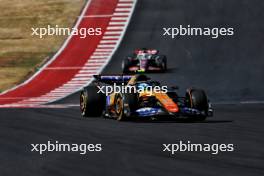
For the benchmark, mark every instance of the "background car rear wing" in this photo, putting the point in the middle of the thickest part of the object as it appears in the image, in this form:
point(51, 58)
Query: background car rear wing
point(144, 50)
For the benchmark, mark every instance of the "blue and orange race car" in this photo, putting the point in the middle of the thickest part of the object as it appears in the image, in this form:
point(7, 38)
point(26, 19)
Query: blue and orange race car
point(143, 101)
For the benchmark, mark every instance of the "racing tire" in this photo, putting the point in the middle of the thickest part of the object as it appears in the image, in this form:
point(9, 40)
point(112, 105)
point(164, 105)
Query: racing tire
point(125, 66)
point(197, 99)
point(127, 103)
point(163, 63)
point(119, 108)
point(92, 103)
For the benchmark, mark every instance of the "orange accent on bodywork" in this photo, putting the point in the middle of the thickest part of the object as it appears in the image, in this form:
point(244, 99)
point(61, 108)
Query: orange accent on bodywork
point(167, 102)
point(132, 81)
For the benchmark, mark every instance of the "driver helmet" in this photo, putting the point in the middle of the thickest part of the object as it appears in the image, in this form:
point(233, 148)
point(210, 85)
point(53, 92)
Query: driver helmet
point(142, 86)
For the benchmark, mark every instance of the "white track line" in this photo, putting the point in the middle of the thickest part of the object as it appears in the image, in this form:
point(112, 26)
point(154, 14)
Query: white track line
point(123, 5)
point(110, 37)
point(108, 41)
point(117, 23)
point(122, 9)
point(118, 18)
point(101, 53)
point(107, 50)
point(113, 32)
point(121, 14)
point(114, 27)
point(97, 57)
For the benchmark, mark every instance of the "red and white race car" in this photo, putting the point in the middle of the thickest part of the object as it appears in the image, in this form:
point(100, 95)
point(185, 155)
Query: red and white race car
point(145, 60)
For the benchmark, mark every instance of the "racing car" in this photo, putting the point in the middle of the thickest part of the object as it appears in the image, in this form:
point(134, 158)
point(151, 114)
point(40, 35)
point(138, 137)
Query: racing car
point(145, 60)
point(145, 103)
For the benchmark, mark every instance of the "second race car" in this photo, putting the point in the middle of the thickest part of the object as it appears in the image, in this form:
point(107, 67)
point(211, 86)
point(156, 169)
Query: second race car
point(145, 60)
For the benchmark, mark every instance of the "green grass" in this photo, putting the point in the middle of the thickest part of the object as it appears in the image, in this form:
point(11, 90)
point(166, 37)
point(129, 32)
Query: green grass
point(20, 52)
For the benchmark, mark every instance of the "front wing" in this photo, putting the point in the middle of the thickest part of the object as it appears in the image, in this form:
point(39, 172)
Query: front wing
point(184, 112)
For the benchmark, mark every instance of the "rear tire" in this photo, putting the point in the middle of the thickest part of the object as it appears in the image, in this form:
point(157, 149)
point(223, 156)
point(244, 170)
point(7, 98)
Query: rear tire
point(125, 66)
point(92, 103)
point(163, 63)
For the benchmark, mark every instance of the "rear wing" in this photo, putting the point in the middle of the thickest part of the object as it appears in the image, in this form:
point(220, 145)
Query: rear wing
point(119, 79)
point(111, 79)
point(144, 50)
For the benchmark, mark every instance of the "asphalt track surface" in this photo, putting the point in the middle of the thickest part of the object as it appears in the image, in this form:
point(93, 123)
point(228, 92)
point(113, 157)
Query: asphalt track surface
point(230, 69)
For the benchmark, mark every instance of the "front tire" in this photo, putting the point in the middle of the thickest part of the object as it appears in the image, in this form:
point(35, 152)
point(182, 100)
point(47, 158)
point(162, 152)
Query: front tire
point(125, 105)
point(197, 99)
